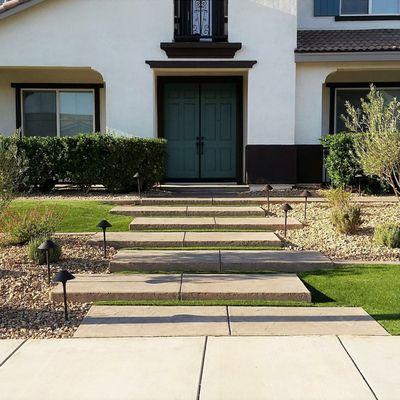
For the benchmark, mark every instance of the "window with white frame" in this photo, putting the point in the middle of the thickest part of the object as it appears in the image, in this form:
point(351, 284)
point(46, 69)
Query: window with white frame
point(370, 7)
point(57, 112)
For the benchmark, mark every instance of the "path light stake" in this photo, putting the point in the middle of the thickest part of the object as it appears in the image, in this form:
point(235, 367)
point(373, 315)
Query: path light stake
point(63, 277)
point(46, 246)
point(359, 178)
point(286, 208)
point(137, 177)
point(306, 194)
point(268, 188)
point(104, 225)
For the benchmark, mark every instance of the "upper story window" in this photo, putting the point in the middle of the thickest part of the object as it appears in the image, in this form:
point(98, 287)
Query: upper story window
point(201, 20)
point(370, 7)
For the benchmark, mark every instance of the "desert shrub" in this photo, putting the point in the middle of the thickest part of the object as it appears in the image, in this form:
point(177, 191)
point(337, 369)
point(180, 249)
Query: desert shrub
point(20, 227)
point(387, 234)
point(337, 198)
point(91, 159)
point(378, 149)
point(346, 220)
point(39, 256)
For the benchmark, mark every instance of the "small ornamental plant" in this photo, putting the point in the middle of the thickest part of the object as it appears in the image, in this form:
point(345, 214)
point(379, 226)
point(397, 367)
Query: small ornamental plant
point(39, 256)
point(388, 235)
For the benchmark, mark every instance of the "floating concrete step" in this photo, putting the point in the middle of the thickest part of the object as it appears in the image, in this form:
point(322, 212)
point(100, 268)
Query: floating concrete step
point(166, 260)
point(188, 211)
point(87, 288)
point(187, 239)
point(262, 223)
point(185, 188)
point(218, 261)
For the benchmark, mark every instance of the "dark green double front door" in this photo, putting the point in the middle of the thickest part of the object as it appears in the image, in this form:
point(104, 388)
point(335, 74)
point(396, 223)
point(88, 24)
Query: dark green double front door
point(200, 125)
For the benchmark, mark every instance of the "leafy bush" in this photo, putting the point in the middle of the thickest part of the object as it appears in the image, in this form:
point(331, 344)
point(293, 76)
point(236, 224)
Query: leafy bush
point(90, 159)
point(20, 227)
point(337, 198)
point(39, 256)
point(387, 235)
point(343, 164)
point(346, 220)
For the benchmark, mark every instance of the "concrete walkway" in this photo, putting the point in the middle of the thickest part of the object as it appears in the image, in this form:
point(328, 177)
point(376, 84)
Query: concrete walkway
point(132, 321)
point(87, 288)
point(198, 368)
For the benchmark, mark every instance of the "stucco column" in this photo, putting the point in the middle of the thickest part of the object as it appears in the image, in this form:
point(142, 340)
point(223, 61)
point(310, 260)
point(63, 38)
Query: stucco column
point(309, 102)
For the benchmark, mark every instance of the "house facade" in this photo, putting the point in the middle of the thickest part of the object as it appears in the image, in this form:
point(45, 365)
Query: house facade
point(243, 90)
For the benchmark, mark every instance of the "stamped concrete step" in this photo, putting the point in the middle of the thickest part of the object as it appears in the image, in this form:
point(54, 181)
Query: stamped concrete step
point(187, 239)
point(261, 223)
point(219, 261)
point(191, 211)
point(166, 260)
point(280, 287)
point(88, 288)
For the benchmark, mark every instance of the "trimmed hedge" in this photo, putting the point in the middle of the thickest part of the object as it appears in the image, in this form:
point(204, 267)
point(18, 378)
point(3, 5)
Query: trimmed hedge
point(91, 159)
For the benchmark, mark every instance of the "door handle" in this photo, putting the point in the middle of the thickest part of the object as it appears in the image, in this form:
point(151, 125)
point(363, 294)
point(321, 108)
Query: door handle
point(202, 146)
point(197, 145)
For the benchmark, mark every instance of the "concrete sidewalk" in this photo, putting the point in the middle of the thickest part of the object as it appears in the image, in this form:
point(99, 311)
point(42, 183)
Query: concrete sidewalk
point(211, 368)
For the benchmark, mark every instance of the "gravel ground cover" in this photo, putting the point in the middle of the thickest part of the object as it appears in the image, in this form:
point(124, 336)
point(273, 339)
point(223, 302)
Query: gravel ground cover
point(318, 233)
point(25, 308)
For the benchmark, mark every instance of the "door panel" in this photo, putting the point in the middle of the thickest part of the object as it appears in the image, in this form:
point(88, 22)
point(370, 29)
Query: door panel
point(181, 128)
point(218, 130)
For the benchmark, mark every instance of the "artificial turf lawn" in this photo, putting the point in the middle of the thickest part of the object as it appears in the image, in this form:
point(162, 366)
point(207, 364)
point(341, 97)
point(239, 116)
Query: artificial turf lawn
point(374, 288)
point(78, 215)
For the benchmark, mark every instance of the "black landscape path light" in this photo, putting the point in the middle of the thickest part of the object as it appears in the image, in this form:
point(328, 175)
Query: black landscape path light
point(104, 224)
point(137, 177)
point(46, 246)
point(359, 179)
point(268, 188)
point(64, 276)
point(306, 194)
point(286, 208)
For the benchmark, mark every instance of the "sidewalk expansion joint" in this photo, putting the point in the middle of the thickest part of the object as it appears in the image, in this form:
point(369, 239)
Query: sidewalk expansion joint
point(202, 368)
point(183, 240)
point(13, 352)
point(358, 369)
point(220, 260)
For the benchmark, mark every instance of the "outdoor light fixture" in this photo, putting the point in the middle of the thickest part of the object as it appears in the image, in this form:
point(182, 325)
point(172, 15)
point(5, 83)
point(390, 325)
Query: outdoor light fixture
point(63, 277)
point(286, 208)
point(46, 246)
point(137, 177)
point(104, 225)
point(306, 194)
point(359, 178)
point(268, 188)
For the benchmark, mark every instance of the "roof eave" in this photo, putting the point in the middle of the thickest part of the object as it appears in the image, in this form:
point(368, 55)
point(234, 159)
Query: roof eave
point(349, 56)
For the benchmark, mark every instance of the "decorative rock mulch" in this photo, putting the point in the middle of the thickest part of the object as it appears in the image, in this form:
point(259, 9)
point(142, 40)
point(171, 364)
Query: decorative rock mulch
point(25, 308)
point(318, 234)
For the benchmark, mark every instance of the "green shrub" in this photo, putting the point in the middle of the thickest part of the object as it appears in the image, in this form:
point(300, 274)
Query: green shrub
point(39, 256)
point(346, 220)
point(20, 227)
point(91, 159)
point(343, 165)
point(387, 235)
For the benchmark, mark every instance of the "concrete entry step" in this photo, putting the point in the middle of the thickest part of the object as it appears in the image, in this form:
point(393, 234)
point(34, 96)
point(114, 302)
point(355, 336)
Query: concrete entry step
point(87, 288)
point(204, 188)
point(261, 223)
point(219, 261)
point(187, 239)
point(189, 211)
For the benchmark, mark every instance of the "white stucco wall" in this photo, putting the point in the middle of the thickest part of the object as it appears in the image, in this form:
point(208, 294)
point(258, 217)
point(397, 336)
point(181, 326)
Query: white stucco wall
point(116, 37)
point(306, 20)
point(312, 98)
